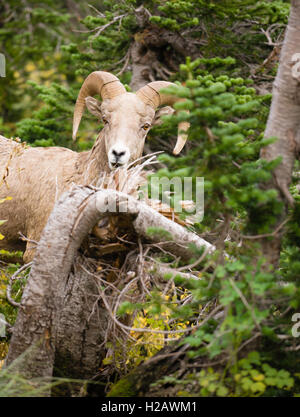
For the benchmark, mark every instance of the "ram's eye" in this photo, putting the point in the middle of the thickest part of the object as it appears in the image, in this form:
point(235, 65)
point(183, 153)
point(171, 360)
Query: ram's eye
point(146, 126)
point(105, 121)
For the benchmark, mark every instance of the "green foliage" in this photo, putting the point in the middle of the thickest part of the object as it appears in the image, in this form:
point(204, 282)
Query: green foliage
point(227, 122)
point(212, 22)
point(183, 12)
point(250, 377)
point(28, 38)
point(226, 134)
point(48, 46)
point(48, 125)
point(123, 388)
point(249, 294)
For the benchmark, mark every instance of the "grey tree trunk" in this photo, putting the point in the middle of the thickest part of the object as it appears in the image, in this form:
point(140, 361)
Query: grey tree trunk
point(51, 292)
point(284, 120)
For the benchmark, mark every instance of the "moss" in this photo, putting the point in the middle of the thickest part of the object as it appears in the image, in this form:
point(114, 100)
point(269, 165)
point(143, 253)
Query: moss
point(122, 388)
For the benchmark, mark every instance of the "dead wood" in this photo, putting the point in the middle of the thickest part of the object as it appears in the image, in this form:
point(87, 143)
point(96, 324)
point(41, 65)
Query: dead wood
point(64, 319)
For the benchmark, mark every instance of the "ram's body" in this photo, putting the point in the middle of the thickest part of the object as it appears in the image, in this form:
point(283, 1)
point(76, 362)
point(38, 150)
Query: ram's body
point(35, 178)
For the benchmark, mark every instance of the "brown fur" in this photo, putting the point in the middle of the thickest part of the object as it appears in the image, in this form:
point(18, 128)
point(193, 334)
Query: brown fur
point(35, 178)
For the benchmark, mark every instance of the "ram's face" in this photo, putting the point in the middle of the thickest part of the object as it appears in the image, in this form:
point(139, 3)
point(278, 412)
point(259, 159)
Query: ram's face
point(127, 117)
point(127, 120)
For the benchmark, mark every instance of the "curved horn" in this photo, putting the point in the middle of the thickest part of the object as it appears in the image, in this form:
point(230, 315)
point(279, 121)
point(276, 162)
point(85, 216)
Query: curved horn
point(151, 95)
point(98, 82)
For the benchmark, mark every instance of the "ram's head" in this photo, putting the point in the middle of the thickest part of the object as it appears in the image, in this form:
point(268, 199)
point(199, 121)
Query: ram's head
point(127, 117)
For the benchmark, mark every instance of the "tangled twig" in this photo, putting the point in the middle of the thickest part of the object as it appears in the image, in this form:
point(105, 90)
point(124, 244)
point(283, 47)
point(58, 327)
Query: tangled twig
point(13, 278)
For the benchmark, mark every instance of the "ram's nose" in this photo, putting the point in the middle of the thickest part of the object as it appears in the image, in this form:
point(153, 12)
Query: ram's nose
point(118, 156)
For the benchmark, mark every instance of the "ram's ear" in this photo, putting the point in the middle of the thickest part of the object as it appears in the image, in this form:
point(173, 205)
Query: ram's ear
point(163, 111)
point(93, 106)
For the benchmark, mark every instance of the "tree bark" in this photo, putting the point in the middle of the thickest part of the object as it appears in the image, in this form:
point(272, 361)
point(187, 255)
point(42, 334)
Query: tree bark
point(283, 122)
point(36, 331)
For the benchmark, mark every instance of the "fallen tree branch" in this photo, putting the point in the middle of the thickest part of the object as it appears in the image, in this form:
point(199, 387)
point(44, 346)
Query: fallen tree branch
point(55, 324)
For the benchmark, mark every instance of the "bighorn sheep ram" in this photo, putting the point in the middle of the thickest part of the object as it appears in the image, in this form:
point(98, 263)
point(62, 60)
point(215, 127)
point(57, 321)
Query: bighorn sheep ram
point(36, 177)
